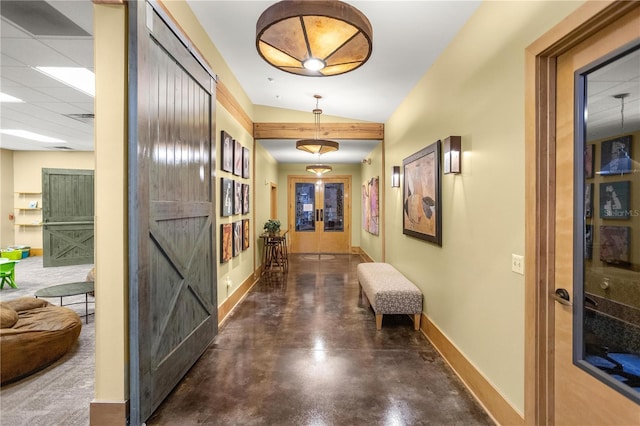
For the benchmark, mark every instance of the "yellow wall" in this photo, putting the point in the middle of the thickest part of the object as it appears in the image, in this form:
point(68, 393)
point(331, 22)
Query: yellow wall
point(372, 244)
point(266, 173)
point(27, 178)
point(476, 90)
point(7, 231)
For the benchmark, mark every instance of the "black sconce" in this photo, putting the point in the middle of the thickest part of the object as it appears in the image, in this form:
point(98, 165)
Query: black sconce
point(395, 177)
point(452, 154)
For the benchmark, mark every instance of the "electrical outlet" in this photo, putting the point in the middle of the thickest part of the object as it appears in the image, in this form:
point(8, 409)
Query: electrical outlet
point(517, 264)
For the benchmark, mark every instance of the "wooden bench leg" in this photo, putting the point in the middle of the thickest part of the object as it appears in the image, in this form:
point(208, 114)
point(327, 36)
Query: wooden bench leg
point(416, 321)
point(378, 321)
point(365, 301)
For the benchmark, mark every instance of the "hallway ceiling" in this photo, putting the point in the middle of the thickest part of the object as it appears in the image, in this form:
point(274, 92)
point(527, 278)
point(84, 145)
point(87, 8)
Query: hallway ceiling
point(370, 93)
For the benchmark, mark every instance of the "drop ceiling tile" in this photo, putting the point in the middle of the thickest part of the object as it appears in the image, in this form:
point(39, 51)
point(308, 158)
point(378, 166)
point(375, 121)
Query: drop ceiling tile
point(79, 50)
point(34, 53)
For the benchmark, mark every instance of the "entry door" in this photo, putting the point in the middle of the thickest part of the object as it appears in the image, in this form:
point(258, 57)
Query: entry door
point(320, 215)
point(579, 398)
point(172, 255)
point(67, 217)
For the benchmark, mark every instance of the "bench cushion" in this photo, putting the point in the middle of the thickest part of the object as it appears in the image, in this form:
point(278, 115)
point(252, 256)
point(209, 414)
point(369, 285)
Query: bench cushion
point(388, 291)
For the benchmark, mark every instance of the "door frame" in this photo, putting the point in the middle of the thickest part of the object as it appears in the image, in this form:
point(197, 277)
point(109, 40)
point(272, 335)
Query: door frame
point(540, 150)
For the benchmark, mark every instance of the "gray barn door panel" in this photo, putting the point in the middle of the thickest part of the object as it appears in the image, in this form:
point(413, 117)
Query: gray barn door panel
point(173, 301)
point(67, 217)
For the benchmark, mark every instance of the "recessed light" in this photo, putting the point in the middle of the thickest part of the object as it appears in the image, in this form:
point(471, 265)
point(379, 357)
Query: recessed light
point(25, 134)
point(8, 98)
point(79, 78)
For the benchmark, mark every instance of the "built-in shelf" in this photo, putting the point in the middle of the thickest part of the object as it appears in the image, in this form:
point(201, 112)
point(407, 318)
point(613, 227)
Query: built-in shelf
point(29, 208)
point(28, 224)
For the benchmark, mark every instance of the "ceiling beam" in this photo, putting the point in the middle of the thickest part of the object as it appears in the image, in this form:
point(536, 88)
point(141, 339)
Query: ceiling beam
point(364, 131)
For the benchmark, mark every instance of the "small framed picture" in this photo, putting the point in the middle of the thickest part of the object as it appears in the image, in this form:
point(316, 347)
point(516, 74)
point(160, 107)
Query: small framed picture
point(615, 156)
point(226, 197)
point(245, 163)
point(614, 200)
point(227, 151)
point(588, 161)
point(237, 158)
point(245, 198)
point(614, 244)
point(226, 243)
point(237, 237)
point(245, 234)
point(237, 199)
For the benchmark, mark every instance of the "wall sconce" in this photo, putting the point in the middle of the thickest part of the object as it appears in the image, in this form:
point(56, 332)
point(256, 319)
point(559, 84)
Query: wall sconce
point(395, 177)
point(452, 154)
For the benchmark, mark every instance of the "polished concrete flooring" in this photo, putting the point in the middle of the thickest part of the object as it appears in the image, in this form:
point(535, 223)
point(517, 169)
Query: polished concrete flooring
point(301, 349)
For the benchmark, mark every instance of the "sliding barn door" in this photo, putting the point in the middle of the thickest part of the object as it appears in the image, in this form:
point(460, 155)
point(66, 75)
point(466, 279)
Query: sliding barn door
point(172, 259)
point(67, 217)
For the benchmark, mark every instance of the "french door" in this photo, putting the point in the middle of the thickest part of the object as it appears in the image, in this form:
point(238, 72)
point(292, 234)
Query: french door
point(319, 214)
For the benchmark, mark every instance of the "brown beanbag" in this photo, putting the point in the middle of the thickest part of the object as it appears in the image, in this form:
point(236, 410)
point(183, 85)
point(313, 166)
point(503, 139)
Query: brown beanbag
point(42, 334)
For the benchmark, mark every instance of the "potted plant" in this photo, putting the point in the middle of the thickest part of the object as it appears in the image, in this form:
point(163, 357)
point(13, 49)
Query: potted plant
point(272, 226)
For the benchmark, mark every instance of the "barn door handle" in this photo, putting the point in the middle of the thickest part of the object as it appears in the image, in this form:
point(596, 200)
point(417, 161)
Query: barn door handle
point(562, 296)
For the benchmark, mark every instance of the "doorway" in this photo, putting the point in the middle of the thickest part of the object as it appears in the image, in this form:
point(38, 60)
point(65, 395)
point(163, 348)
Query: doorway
point(559, 391)
point(319, 214)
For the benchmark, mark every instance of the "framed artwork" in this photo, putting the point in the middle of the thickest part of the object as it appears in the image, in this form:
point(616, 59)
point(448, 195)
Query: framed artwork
point(615, 156)
point(370, 208)
point(245, 163)
point(588, 241)
point(227, 151)
point(237, 158)
point(237, 237)
point(226, 243)
point(588, 161)
point(422, 207)
point(226, 197)
point(614, 200)
point(588, 200)
point(614, 244)
point(245, 198)
point(237, 198)
point(246, 236)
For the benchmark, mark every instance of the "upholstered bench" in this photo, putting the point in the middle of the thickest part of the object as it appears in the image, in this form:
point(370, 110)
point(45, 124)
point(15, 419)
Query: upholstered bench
point(389, 292)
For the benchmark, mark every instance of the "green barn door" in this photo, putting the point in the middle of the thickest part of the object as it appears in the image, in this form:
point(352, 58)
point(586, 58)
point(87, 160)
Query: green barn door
point(67, 217)
point(173, 298)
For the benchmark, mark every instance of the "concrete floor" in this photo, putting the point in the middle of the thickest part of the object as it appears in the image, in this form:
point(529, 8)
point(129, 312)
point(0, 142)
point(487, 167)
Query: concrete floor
point(301, 349)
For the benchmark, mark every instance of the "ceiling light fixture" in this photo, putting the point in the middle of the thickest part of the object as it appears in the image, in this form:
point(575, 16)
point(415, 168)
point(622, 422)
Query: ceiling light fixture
point(319, 169)
point(314, 38)
point(25, 134)
point(9, 99)
point(79, 78)
point(317, 146)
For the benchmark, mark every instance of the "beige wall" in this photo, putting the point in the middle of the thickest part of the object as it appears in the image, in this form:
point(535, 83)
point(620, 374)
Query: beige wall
point(475, 90)
point(266, 173)
point(27, 179)
point(7, 231)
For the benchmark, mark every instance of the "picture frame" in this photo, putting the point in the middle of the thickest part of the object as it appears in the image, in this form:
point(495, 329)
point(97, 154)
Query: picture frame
point(226, 243)
point(370, 208)
point(237, 197)
point(245, 163)
point(246, 234)
point(245, 198)
point(237, 158)
point(422, 206)
point(615, 156)
point(226, 152)
point(588, 241)
point(588, 200)
point(615, 242)
point(614, 200)
point(589, 161)
point(237, 237)
point(226, 197)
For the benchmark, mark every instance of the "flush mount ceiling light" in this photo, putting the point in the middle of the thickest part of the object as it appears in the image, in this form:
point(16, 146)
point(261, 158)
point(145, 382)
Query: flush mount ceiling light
point(314, 38)
point(317, 146)
point(319, 169)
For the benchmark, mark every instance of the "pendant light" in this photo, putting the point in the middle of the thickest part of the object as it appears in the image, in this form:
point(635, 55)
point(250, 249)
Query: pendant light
point(317, 146)
point(319, 169)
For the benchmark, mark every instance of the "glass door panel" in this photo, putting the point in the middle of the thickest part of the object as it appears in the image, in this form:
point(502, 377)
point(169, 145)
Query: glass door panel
point(333, 207)
point(305, 220)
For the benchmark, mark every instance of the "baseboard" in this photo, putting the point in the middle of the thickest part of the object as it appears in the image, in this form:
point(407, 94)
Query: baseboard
point(365, 257)
point(489, 397)
point(108, 413)
point(237, 296)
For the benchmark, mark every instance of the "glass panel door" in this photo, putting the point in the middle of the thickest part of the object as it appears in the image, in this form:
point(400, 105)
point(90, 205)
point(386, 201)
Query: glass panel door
point(333, 207)
point(305, 220)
